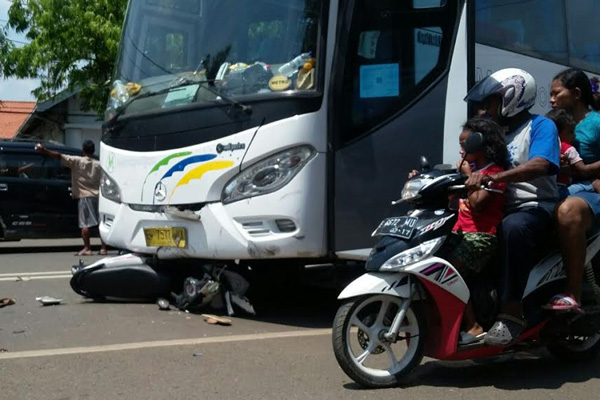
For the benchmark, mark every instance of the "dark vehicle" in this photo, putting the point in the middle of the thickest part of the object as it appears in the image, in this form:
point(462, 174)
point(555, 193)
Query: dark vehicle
point(35, 193)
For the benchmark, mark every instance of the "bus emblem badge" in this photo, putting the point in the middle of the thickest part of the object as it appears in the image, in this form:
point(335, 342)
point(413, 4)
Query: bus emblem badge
point(160, 191)
point(230, 147)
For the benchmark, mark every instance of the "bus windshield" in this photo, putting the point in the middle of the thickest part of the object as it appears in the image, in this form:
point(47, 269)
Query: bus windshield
point(238, 48)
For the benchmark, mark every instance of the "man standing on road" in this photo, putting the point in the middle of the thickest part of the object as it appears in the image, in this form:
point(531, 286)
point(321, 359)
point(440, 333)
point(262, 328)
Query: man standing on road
point(85, 181)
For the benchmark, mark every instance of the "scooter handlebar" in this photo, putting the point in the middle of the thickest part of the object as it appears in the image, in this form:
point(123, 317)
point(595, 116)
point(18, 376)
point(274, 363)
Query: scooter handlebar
point(462, 187)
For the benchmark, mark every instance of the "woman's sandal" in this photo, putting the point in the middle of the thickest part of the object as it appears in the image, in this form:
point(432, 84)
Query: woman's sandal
point(505, 330)
point(570, 304)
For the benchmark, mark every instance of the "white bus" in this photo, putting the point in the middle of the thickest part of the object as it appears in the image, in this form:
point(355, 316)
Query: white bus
point(276, 129)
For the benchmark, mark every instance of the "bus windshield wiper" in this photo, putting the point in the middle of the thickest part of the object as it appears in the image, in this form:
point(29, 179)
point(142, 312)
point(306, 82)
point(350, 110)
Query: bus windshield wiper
point(246, 109)
point(184, 82)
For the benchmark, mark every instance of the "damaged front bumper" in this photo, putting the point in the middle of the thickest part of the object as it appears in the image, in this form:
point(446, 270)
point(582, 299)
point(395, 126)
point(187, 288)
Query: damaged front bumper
point(216, 231)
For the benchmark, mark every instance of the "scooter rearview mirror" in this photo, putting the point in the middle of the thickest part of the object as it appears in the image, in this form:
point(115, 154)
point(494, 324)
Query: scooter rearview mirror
point(424, 164)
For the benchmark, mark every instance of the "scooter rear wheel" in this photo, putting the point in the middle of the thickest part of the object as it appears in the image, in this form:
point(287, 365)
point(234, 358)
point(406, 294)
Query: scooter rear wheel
point(576, 348)
point(361, 351)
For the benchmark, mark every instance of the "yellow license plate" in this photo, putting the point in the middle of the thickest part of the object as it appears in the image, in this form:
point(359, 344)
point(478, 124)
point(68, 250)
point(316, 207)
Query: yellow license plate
point(165, 237)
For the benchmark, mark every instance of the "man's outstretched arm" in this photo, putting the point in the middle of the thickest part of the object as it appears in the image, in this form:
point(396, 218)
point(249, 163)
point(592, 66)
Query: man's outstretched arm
point(49, 153)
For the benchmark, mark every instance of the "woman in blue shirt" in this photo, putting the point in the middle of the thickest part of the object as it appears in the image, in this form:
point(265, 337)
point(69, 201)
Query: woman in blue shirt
point(577, 214)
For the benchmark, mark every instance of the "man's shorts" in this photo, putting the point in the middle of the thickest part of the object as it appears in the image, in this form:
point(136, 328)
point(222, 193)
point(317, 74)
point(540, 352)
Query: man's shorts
point(593, 201)
point(88, 212)
point(473, 250)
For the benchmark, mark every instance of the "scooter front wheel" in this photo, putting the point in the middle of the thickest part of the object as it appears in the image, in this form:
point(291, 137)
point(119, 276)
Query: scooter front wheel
point(360, 348)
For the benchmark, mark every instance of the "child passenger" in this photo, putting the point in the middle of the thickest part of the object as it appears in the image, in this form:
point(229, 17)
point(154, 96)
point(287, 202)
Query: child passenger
point(565, 124)
point(473, 240)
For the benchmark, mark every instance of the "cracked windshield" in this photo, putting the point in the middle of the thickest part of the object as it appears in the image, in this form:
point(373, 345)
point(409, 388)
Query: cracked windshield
point(181, 52)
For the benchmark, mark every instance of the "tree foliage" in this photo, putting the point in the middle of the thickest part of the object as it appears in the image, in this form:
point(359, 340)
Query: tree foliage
point(72, 44)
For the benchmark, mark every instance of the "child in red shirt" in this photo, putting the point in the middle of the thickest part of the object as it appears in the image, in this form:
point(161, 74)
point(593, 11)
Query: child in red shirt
point(473, 240)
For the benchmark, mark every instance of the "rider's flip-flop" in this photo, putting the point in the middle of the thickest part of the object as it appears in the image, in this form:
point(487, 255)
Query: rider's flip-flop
point(570, 304)
point(468, 338)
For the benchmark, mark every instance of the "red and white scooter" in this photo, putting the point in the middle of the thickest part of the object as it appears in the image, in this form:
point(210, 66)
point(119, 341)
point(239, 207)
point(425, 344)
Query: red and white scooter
point(410, 303)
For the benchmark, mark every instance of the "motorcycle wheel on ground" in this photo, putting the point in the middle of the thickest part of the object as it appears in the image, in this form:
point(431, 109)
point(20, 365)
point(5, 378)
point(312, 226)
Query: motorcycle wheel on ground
point(580, 347)
point(360, 348)
point(577, 348)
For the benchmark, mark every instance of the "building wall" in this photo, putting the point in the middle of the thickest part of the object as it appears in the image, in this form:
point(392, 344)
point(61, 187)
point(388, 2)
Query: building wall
point(81, 126)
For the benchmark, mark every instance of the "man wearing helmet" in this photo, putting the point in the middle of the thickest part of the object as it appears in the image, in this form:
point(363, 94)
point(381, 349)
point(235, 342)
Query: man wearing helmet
point(531, 195)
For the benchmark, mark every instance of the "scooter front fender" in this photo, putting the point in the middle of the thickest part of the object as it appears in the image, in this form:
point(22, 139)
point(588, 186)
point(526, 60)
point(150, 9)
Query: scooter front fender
point(394, 284)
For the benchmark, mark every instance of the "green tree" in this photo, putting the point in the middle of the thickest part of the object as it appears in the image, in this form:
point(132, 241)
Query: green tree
point(72, 44)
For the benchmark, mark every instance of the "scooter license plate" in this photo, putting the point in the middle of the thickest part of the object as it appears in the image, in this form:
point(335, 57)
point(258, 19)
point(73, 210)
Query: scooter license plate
point(166, 237)
point(402, 227)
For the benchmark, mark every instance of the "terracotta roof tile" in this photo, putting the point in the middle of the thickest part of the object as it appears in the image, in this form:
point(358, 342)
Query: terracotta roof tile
point(12, 116)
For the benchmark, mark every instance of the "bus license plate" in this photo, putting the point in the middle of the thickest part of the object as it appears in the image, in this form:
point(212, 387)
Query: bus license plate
point(402, 227)
point(165, 237)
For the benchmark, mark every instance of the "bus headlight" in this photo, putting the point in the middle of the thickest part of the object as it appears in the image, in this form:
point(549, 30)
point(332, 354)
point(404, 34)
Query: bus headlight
point(109, 188)
point(267, 175)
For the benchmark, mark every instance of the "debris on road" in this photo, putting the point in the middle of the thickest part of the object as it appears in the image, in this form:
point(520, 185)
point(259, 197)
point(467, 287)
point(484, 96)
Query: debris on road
point(217, 289)
point(240, 301)
point(163, 304)
point(22, 279)
point(48, 301)
point(6, 302)
point(19, 331)
point(197, 354)
point(3, 351)
point(213, 319)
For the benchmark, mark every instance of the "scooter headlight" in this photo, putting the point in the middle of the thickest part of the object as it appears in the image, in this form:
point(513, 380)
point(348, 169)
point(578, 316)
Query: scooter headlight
point(411, 189)
point(109, 188)
point(413, 255)
point(267, 175)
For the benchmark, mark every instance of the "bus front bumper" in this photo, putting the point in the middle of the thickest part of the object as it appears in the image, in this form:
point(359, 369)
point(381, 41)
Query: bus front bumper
point(211, 233)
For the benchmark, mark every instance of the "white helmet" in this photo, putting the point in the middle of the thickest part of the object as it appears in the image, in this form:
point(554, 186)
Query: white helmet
point(516, 87)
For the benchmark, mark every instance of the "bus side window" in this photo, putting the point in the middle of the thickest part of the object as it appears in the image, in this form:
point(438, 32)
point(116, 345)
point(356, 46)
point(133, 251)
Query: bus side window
point(584, 34)
point(559, 31)
point(428, 3)
point(536, 27)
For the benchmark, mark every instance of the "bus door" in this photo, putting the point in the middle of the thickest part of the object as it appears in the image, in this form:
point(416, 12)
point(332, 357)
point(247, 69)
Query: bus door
point(394, 68)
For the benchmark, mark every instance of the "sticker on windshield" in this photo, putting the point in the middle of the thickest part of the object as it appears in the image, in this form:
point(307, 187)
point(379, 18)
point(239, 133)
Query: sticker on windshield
point(382, 80)
point(367, 44)
point(279, 82)
point(179, 96)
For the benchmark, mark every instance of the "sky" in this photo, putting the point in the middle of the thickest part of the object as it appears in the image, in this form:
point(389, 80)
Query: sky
point(15, 89)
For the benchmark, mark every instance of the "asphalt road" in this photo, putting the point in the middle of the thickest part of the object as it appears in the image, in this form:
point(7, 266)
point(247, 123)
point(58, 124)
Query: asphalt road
point(86, 350)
